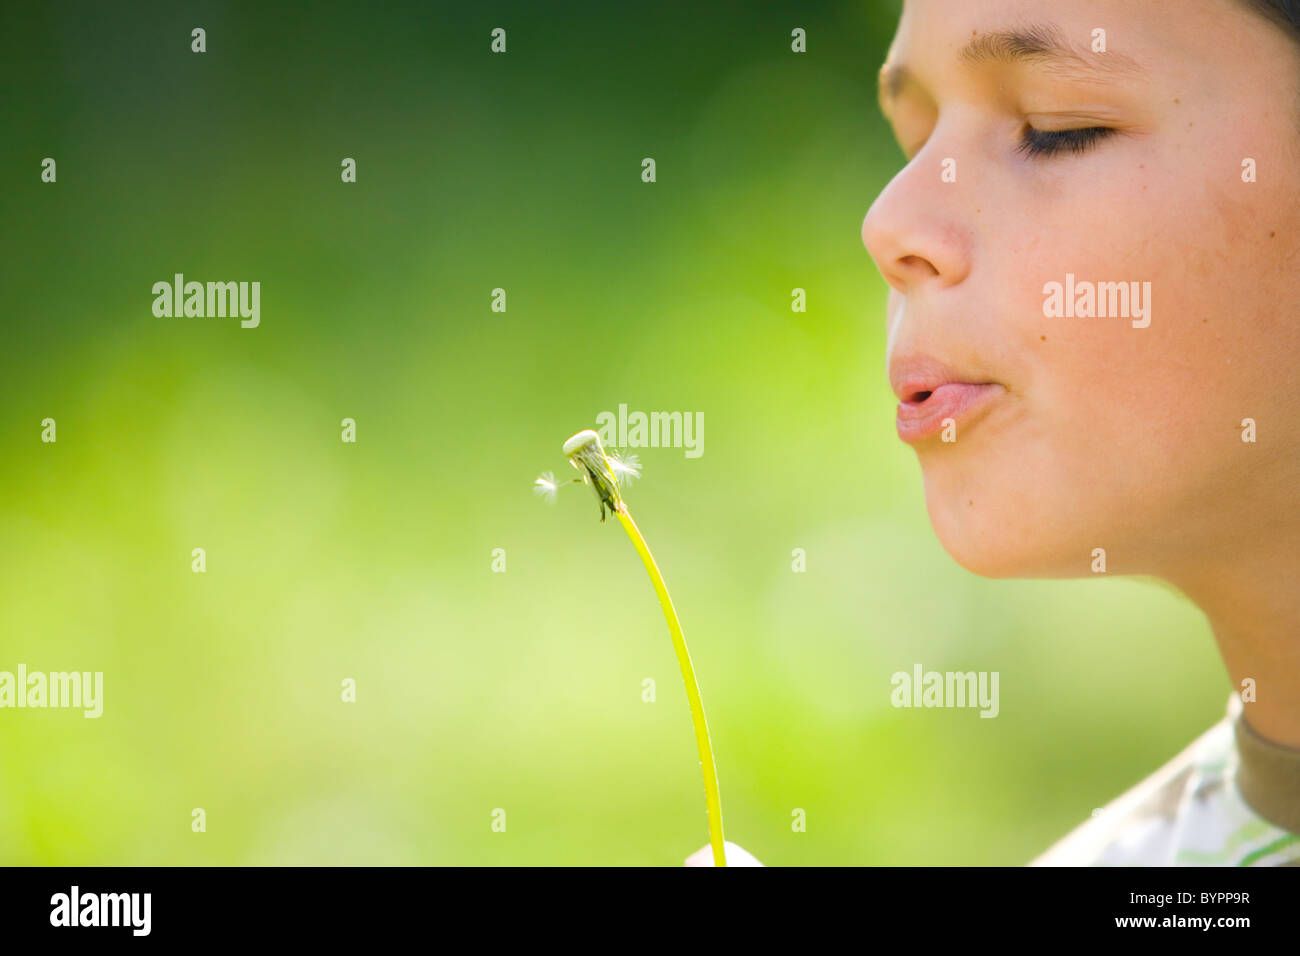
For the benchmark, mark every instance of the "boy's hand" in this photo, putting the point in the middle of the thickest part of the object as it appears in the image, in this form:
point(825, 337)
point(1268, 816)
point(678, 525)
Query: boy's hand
point(735, 856)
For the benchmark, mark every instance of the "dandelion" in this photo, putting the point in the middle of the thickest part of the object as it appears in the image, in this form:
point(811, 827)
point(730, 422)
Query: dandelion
point(604, 471)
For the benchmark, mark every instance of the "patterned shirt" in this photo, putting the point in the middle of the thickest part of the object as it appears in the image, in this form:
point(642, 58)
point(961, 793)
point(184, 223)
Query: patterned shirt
point(1231, 798)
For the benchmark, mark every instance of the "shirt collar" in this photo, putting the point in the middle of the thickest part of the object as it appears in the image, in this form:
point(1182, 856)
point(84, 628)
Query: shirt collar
point(1268, 774)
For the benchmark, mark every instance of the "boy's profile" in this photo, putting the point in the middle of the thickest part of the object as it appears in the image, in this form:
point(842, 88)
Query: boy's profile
point(1093, 249)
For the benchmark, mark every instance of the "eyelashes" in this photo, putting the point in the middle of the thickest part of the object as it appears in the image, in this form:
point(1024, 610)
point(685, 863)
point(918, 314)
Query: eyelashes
point(1042, 142)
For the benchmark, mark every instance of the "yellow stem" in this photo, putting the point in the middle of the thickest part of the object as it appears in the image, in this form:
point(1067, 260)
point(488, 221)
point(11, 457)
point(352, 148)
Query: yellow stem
point(712, 801)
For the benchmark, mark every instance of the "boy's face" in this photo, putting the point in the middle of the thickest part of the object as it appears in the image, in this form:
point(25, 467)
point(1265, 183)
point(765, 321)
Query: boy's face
point(1095, 433)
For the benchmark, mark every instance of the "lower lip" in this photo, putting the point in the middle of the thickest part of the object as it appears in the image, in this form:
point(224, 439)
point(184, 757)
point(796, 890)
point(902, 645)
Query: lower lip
point(959, 401)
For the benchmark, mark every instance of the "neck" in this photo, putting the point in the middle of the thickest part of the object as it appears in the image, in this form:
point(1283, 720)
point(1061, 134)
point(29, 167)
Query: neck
point(1252, 602)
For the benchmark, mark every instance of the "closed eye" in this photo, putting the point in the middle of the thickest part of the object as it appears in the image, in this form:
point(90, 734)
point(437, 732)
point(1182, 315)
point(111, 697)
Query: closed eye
point(1043, 142)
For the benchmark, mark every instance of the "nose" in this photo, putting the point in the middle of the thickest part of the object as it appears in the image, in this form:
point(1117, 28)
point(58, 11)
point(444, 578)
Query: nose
point(913, 230)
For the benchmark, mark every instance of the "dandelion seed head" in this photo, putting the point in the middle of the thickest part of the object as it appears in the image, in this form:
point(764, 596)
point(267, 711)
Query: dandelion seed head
point(586, 453)
point(580, 441)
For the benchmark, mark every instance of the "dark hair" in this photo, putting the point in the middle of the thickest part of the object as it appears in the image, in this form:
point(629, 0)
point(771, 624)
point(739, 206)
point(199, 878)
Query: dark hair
point(1284, 13)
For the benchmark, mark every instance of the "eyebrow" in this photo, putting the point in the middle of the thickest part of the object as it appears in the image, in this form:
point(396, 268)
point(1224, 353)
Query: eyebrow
point(1041, 44)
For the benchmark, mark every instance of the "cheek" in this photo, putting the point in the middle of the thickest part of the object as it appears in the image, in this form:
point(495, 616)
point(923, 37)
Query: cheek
point(1119, 435)
point(1208, 250)
point(1116, 430)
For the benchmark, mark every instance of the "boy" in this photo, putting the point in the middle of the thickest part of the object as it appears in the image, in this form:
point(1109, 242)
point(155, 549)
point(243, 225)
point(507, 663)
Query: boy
point(1093, 251)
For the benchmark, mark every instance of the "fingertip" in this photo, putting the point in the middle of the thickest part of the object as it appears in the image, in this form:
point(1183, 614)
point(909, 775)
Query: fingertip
point(735, 855)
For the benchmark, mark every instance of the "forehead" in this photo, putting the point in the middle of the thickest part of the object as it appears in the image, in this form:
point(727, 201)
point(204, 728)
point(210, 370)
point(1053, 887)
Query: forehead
point(1042, 44)
point(949, 43)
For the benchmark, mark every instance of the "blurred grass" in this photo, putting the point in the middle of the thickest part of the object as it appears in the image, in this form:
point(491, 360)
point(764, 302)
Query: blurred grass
point(372, 561)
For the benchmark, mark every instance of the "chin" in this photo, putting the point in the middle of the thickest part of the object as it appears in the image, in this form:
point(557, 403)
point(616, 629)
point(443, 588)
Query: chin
point(1004, 539)
point(989, 556)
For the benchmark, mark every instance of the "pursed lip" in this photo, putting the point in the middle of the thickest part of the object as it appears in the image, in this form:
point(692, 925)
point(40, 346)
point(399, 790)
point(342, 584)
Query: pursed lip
point(931, 392)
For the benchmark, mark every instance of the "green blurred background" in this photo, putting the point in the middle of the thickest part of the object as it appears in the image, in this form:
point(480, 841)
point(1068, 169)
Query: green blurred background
point(519, 690)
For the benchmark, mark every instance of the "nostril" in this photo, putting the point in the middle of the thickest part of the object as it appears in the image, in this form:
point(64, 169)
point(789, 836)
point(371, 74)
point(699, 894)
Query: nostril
point(917, 264)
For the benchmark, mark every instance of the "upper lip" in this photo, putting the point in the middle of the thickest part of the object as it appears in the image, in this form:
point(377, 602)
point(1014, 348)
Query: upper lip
point(911, 376)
